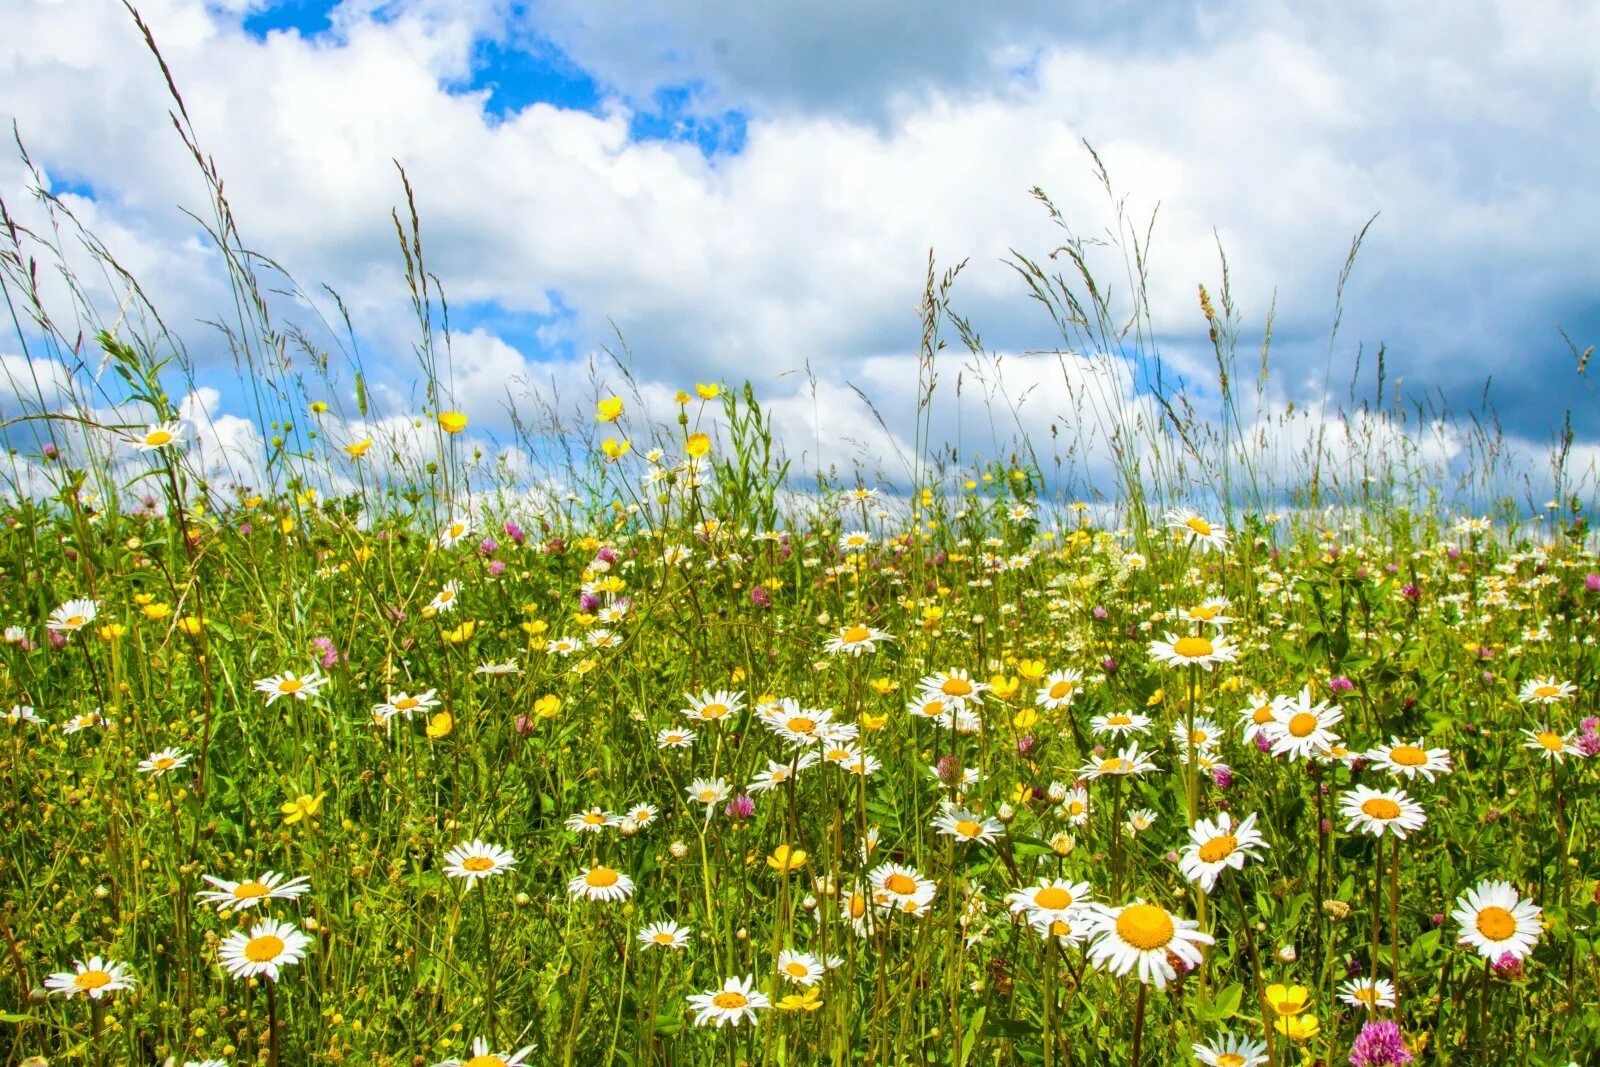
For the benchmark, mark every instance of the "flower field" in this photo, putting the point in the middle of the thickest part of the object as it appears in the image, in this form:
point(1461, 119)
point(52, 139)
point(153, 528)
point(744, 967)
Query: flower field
point(973, 777)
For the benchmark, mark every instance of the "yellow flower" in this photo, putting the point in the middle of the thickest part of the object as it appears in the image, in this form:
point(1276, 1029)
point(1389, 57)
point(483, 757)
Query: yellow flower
point(142, 599)
point(286, 524)
point(112, 630)
point(1025, 718)
point(302, 807)
point(738, 675)
point(1155, 698)
point(585, 666)
point(1031, 669)
point(615, 449)
point(535, 627)
point(872, 722)
point(306, 497)
point(318, 407)
point(697, 445)
point(785, 859)
point(810, 1000)
point(460, 633)
point(1298, 1027)
point(682, 398)
point(452, 421)
point(547, 706)
point(252, 502)
point(884, 686)
point(708, 392)
point(157, 611)
point(357, 449)
point(440, 725)
point(1287, 1000)
point(1004, 688)
point(609, 409)
point(189, 625)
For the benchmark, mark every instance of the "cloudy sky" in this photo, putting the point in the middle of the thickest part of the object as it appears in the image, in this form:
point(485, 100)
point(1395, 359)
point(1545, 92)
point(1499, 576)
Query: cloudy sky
point(752, 190)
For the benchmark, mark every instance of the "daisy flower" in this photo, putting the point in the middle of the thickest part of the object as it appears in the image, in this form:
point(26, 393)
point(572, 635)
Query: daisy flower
point(159, 763)
point(269, 946)
point(967, 827)
point(1553, 745)
point(709, 707)
point(1231, 1050)
point(708, 791)
point(453, 532)
point(482, 1057)
point(1203, 734)
point(1300, 728)
point(591, 821)
point(445, 599)
point(638, 817)
point(1257, 715)
point(856, 639)
point(87, 721)
point(1128, 761)
point(1495, 921)
point(96, 977)
point(239, 896)
point(665, 935)
point(1197, 531)
point(674, 738)
point(21, 713)
point(157, 436)
point(563, 646)
point(290, 684)
point(1146, 938)
point(1059, 690)
point(1375, 811)
point(801, 968)
point(1216, 845)
point(601, 883)
point(797, 725)
point(508, 667)
point(1213, 611)
point(1368, 993)
point(73, 615)
point(1075, 807)
point(1139, 821)
point(406, 704)
point(929, 706)
point(1546, 691)
point(899, 888)
point(735, 1002)
point(1118, 723)
point(954, 684)
point(475, 859)
point(1407, 760)
point(1067, 932)
point(777, 773)
point(1052, 898)
point(855, 541)
point(1192, 651)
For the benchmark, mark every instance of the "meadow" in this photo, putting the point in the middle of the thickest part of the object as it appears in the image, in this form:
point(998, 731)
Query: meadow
point(392, 754)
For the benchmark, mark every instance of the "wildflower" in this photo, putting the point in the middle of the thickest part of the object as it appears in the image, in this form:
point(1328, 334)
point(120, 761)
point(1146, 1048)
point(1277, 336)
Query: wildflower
point(1287, 999)
point(357, 449)
point(810, 1000)
point(1368, 993)
point(96, 977)
point(856, 639)
point(1407, 760)
point(592, 820)
point(1051, 898)
point(1197, 531)
point(445, 599)
point(713, 707)
point(1551, 744)
point(452, 422)
point(475, 859)
point(302, 807)
point(290, 684)
point(1298, 1028)
point(21, 713)
point(1496, 921)
point(240, 896)
point(1118, 723)
point(732, 1004)
point(454, 532)
point(482, 1057)
point(899, 888)
point(1213, 611)
point(697, 445)
point(1147, 939)
point(609, 409)
point(158, 436)
point(1300, 728)
point(1192, 651)
point(672, 738)
point(1379, 1044)
point(159, 763)
point(406, 704)
point(1127, 761)
point(72, 616)
point(1216, 845)
point(1376, 811)
point(965, 826)
point(269, 946)
point(708, 791)
point(953, 685)
point(785, 859)
point(600, 883)
point(665, 935)
point(740, 808)
point(1059, 690)
point(1139, 821)
point(801, 968)
point(1231, 1050)
point(1546, 691)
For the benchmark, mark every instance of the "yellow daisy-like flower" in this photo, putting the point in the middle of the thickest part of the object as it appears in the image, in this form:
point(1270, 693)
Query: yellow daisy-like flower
point(609, 409)
point(302, 807)
point(785, 859)
point(357, 449)
point(452, 421)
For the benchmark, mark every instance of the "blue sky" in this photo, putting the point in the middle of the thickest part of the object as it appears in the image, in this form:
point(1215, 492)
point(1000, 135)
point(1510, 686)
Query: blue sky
point(752, 191)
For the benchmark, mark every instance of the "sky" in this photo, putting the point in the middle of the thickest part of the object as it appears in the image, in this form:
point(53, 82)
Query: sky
point(752, 191)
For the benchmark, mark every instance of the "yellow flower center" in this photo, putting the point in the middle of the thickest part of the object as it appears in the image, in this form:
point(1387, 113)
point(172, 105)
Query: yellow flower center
point(1496, 924)
point(290, 685)
point(165, 763)
point(1060, 689)
point(900, 884)
point(1408, 755)
point(1077, 807)
point(661, 937)
point(1145, 927)
point(1381, 808)
point(797, 969)
point(1199, 737)
point(1367, 994)
point(713, 711)
point(729, 1000)
point(264, 948)
point(594, 818)
point(1218, 848)
point(1551, 740)
point(76, 621)
point(968, 828)
point(158, 438)
point(956, 687)
point(858, 906)
point(1205, 612)
point(854, 635)
point(1231, 1059)
point(1193, 647)
point(92, 980)
point(477, 864)
point(1114, 765)
point(1061, 928)
point(801, 725)
point(1053, 898)
point(406, 703)
point(1544, 692)
point(250, 891)
point(486, 1060)
point(933, 709)
point(447, 595)
point(600, 877)
point(1262, 715)
point(1302, 724)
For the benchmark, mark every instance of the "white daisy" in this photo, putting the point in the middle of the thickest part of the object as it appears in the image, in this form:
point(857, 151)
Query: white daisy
point(1232, 1050)
point(901, 889)
point(268, 947)
point(241, 896)
point(1407, 760)
point(1546, 691)
point(709, 707)
point(1299, 728)
point(967, 827)
point(665, 935)
point(73, 615)
point(1368, 993)
point(591, 821)
point(856, 639)
point(1052, 898)
point(96, 977)
point(406, 704)
point(158, 436)
point(1117, 723)
point(674, 738)
point(1216, 845)
point(1192, 651)
point(801, 968)
point(1059, 690)
point(1197, 531)
point(735, 1002)
point(159, 763)
point(290, 684)
point(1375, 812)
point(482, 1057)
point(454, 532)
point(475, 859)
point(1145, 938)
point(601, 883)
point(1496, 920)
point(445, 599)
point(1553, 745)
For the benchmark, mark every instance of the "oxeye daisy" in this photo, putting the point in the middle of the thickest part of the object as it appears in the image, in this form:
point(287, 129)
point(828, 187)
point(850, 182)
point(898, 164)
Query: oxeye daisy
point(601, 883)
point(72, 616)
point(1139, 821)
point(269, 946)
point(1146, 939)
point(445, 599)
point(1553, 745)
point(1118, 723)
point(1218, 844)
point(1496, 921)
point(1202, 734)
point(21, 713)
point(855, 541)
point(1193, 651)
point(709, 707)
point(239, 896)
point(901, 889)
point(1059, 690)
point(1406, 759)
point(1213, 610)
point(1368, 993)
point(290, 684)
point(708, 791)
point(801, 968)
point(1051, 898)
point(454, 531)
point(674, 738)
point(954, 684)
point(1196, 530)
point(1075, 806)
point(638, 817)
point(1231, 1050)
point(1377, 812)
point(591, 821)
point(732, 1004)
point(475, 859)
point(406, 704)
point(159, 763)
point(929, 706)
point(797, 725)
point(95, 977)
point(158, 436)
point(87, 721)
point(1073, 930)
point(1128, 761)
point(1546, 691)
point(777, 773)
point(563, 646)
point(856, 639)
point(1256, 716)
point(665, 935)
point(1300, 728)
point(965, 826)
point(482, 1057)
